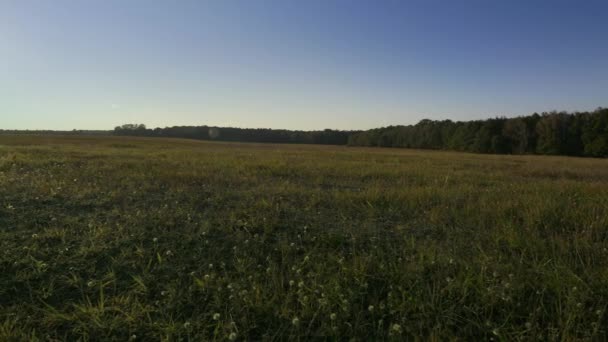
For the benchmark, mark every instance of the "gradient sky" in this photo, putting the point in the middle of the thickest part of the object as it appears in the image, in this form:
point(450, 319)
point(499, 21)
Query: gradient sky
point(304, 64)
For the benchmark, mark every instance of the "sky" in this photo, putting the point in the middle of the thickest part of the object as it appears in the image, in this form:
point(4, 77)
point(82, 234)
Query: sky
point(308, 64)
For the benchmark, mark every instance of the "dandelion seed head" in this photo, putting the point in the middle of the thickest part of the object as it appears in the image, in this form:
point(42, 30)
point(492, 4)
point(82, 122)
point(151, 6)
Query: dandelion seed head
point(295, 321)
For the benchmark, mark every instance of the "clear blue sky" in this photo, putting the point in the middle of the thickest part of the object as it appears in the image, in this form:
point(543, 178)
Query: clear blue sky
point(296, 64)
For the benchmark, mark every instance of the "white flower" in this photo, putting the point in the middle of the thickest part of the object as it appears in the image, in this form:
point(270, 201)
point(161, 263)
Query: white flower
point(187, 325)
point(301, 284)
point(168, 253)
point(155, 240)
point(295, 321)
point(370, 308)
point(333, 316)
point(216, 316)
point(291, 282)
point(91, 283)
point(396, 328)
point(232, 336)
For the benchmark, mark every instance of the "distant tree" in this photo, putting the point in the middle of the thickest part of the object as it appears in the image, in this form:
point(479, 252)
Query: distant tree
point(515, 131)
point(551, 130)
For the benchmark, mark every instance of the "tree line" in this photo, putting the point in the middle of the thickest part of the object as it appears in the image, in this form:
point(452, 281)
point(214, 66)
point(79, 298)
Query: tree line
point(263, 135)
point(555, 133)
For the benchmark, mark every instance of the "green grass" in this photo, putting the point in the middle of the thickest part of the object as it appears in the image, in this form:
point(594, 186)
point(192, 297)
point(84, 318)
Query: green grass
point(154, 239)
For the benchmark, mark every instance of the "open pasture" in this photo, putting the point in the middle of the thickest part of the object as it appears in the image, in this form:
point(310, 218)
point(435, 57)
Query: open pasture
point(114, 238)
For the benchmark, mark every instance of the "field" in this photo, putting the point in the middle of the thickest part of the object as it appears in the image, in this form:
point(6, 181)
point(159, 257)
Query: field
point(113, 238)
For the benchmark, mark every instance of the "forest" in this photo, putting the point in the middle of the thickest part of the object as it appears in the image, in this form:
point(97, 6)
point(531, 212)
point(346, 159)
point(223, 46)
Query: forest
point(553, 133)
point(263, 135)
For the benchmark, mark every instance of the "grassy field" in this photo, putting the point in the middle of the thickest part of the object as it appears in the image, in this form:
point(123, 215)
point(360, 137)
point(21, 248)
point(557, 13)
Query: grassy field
point(153, 239)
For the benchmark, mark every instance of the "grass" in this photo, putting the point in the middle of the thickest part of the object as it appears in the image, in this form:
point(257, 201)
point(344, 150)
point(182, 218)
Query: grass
point(105, 238)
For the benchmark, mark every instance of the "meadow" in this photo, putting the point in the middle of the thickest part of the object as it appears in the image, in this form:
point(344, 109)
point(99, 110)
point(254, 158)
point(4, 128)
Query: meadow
point(117, 238)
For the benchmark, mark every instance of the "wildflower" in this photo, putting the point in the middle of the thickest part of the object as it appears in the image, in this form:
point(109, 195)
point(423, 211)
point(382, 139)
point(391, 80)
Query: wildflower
point(34, 236)
point(598, 312)
point(291, 282)
point(333, 316)
point(301, 284)
point(91, 283)
point(207, 277)
point(187, 325)
point(396, 328)
point(295, 321)
point(232, 336)
point(216, 316)
point(370, 308)
point(210, 265)
point(168, 253)
point(155, 240)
